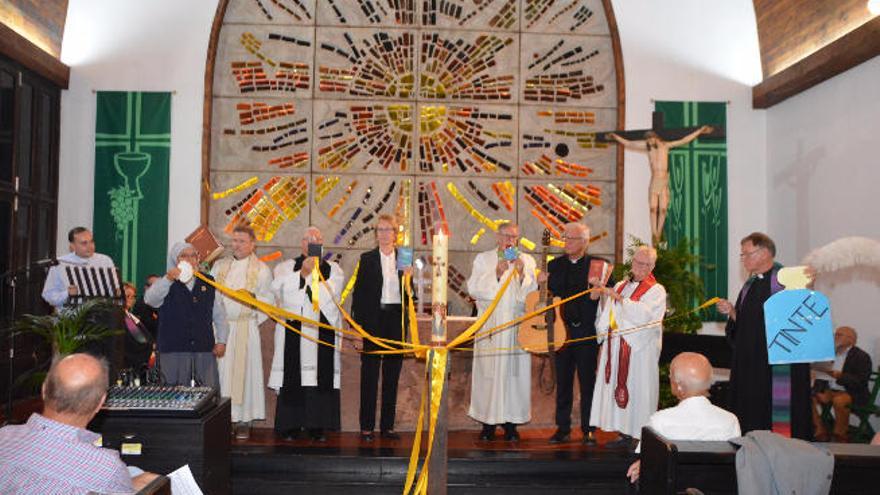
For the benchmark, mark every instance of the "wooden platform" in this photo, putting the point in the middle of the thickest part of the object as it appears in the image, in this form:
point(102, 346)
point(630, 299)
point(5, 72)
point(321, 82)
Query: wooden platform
point(265, 464)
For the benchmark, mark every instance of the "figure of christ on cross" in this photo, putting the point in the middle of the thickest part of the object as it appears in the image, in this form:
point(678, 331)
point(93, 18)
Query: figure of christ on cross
point(657, 150)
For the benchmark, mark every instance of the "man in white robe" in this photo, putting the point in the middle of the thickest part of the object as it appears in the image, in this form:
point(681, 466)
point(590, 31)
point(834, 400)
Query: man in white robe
point(306, 374)
point(241, 365)
point(627, 379)
point(501, 375)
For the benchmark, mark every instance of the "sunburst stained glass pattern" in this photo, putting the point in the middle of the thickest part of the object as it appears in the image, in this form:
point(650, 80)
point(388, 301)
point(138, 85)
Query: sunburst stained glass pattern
point(271, 11)
point(262, 135)
point(567, 70)
point(449, 114)
point(467, 66)
point(466, 139)
point(466, 207)
point(364, 63)
point(463, 14)
point(276, 206)
point(348, 212)
point(367, 12)
point(355, 137)
point(264, 60)
point(564, 17)
point(552, 203)
point(561, 142)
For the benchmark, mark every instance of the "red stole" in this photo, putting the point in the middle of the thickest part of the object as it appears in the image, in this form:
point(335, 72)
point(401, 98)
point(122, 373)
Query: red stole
point(621, 393)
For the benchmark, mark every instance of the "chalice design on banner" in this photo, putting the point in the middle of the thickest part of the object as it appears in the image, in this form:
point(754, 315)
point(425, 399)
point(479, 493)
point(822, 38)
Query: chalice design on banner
point(125, 203)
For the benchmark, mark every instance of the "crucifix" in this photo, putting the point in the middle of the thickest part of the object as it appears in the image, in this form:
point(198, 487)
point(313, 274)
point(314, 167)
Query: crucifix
point(656, 143)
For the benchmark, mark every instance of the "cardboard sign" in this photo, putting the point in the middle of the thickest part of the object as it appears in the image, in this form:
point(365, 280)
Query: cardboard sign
point(799, 327)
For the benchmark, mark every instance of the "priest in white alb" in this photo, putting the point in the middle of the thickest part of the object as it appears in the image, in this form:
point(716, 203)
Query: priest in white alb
point(627, 379)
point(306, 368)
point(241, 364)
point(501, 375)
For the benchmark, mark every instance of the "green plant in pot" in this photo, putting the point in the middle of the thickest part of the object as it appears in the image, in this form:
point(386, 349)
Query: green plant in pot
point(66, 332)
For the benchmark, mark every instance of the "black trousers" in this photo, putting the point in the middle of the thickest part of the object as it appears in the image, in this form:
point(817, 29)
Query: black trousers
point(580, 357)
point(389, 366)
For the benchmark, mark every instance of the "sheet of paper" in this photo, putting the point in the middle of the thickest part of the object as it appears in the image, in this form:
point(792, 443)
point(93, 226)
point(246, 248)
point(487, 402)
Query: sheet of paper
point(183, 483)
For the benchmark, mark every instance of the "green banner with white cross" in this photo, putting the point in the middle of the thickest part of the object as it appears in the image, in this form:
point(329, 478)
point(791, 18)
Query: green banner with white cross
point(698, 193)
point(132, 150)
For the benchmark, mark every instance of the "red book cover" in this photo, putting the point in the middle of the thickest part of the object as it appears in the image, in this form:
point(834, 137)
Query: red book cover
point(206, 244)
point(599, 269)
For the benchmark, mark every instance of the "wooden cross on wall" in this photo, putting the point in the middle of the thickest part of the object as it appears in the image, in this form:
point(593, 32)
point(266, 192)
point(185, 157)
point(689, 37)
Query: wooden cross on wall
point(661, 131)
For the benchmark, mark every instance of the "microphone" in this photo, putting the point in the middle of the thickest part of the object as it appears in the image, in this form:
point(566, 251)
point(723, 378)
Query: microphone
point(44, 263)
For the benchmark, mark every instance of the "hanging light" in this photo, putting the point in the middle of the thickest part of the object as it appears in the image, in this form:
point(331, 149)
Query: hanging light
point(874, 7)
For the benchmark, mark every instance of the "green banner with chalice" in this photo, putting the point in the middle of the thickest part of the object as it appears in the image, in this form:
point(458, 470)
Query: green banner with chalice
point(132, 149)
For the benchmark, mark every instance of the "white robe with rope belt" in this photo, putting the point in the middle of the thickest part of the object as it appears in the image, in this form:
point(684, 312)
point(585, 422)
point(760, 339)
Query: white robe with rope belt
point(643, 382)
point(253, 404)
point(501, 380)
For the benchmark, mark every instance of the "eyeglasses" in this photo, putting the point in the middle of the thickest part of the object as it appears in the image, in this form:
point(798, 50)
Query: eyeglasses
point(509, 236)
point(385, 229)
point(749, 253)
point(573, 238)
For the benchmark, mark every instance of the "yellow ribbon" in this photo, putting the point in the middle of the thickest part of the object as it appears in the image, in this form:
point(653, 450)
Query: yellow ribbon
point(436, 366)
point(315, 290)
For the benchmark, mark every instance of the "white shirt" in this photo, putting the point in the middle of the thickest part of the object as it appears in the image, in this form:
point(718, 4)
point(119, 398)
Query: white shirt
point(390, 282)
point(55, 287)
point(695, 418)
point(839, 359)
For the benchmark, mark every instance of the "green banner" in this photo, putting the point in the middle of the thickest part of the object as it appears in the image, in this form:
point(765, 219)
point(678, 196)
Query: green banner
point(132, 148)
point(698, 193)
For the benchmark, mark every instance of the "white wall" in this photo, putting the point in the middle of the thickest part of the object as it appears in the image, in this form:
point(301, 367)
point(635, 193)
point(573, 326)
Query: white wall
point(823, 175)
point(693, 50)
point(158, 45)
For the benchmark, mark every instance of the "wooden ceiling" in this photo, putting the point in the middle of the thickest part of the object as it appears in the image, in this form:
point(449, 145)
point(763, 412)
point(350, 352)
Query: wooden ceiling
point(804, 42)
point(39, 21)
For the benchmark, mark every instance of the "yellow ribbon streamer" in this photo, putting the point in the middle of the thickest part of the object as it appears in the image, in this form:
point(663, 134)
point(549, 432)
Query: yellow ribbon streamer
point(315, 291)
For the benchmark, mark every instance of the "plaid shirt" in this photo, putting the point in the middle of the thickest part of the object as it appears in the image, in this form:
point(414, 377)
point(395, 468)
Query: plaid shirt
point(47, 457)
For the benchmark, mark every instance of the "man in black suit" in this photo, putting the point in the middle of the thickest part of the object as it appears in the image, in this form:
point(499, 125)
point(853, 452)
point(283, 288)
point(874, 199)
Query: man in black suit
point(377, 307)
point(848, 385)
point(568, 276)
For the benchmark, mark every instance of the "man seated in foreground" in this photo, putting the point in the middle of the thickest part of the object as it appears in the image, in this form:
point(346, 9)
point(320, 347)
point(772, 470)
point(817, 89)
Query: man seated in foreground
point(53, 452)
point(694, 418)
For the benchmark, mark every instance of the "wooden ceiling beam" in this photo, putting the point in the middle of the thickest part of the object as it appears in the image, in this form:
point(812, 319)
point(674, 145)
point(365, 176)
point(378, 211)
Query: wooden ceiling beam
point(859, 45)
point(19, 49)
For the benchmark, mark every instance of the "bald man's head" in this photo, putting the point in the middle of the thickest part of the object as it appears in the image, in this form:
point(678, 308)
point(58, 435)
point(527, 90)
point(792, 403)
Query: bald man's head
point(76, 385)
point(690, 374)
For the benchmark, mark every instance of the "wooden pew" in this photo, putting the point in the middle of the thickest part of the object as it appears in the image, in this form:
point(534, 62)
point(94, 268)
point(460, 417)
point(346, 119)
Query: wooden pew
point(670, 467)
point(159, 486)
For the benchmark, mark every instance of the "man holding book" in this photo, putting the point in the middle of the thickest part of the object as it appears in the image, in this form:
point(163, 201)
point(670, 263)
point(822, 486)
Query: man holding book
point(631, 336)
point(569, 275)
point(501, 381)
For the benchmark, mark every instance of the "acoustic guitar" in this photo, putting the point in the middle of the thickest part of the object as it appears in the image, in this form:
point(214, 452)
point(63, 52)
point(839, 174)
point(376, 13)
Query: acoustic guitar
point(534, 335)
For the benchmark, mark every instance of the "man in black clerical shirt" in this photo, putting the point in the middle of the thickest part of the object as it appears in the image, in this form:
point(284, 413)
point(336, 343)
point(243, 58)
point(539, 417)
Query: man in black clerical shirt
point(751, 375)
point(568, 276)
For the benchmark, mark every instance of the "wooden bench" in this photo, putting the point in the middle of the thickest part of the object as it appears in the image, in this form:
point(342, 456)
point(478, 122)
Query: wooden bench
point(159, 486)
point(670, 467)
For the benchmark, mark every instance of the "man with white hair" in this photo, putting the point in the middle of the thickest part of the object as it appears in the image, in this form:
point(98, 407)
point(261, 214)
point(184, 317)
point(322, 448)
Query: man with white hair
point(501, 382)
point(305, 373)
point(567, 276)
point(694, 418)
point(628, 384)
